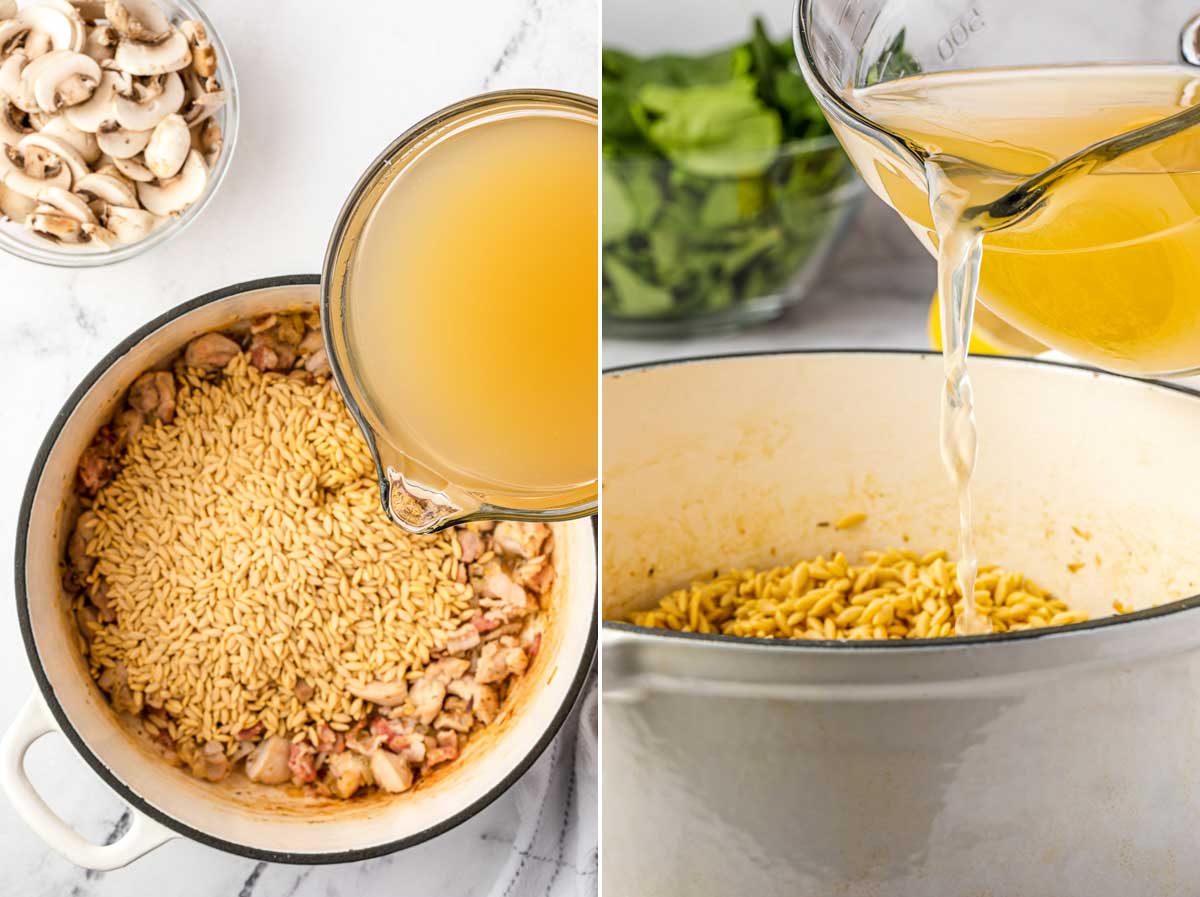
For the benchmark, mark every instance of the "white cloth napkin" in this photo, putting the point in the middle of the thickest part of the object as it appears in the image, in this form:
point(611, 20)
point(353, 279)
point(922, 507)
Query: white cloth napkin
point(556, 853)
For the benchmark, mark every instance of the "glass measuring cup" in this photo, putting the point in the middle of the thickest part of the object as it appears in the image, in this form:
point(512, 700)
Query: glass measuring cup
point(1090, 298)
point(423, 447)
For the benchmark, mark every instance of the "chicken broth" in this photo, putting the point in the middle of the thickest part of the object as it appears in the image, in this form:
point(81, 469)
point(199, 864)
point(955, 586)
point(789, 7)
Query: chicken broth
point(471, 318)
point(1066, 198)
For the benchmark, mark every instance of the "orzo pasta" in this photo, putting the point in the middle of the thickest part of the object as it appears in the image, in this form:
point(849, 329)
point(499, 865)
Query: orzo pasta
point(241, 596)
point(889, 595)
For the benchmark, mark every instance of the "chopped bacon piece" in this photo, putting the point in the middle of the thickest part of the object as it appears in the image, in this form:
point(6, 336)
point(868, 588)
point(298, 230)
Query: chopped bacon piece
point(251, 733)
point(301, 762)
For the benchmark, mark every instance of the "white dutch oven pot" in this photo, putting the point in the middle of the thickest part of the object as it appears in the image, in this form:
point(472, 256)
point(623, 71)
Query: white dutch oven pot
point(237, 815)
point(1047, 764)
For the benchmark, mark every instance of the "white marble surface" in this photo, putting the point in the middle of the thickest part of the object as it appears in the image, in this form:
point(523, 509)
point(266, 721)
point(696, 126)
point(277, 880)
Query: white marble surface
point(321, 95)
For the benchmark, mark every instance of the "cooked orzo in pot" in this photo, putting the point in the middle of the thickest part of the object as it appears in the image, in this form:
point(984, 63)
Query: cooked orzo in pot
point(894, 594)
point(242, 599)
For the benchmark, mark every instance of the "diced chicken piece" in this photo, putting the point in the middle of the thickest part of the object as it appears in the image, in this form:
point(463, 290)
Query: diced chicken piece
point(455, 715)
point(347, 773)
point(269, 763)
point(481, 699)
point(115, 681)
point(87, 623)
point(522, 539)
point(363, 742)
point(210, 352)
point(382, 694)
point(210, 762)
point(251, 733)
point(447, 749)
point(275, 342)
point(98, 593)
point(317, 363)
point(77, 556)
point(471, 543)
point(497, 662)
point(429, 691)
point(94, 470)
point(516, 601)
point(536, 574)
point(463, 639)
point(391, 772)
point(153, 394)
point(302, 763)
point(126, 425)
point(303, 691)
point(312, 341)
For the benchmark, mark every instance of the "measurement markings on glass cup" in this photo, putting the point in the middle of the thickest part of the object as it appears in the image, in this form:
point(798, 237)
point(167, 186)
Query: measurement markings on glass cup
point(958, 35)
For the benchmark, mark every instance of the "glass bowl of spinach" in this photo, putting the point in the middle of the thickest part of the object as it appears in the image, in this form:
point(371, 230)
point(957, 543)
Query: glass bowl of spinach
point(723, 188)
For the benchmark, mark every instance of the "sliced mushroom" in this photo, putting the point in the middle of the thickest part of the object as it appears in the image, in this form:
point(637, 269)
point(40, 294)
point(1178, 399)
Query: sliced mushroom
point(64, 30)
point(204, 57)
point(29, 186)
point(204, 97)
point(57, 147)
point(63, 78)
point(15, 206)
point(209, 139)
point(101, 43)
point(139, 20)
point(175, 194)
point(98, 235)
point(89, 10)
point(56, 199)
point(134, 170)
point(12, 82)
point(11, 130)
point(12, 36)
point(81, 141)
point(90, 115)
point(112, 188)
point(55, 226)
point(129, 225)
point(168, 147)
point(142, 114)
point(168, 55)
point(119, 143)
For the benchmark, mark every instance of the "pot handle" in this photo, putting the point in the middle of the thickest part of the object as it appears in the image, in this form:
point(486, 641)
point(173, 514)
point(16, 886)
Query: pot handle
point(33, 721)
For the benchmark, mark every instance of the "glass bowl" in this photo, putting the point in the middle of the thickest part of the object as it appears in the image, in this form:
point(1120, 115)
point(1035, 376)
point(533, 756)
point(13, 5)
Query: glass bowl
point(685, 256)
point(18, 241)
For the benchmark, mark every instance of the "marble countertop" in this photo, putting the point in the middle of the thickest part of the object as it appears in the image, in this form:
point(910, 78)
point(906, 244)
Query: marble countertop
point(321, 96)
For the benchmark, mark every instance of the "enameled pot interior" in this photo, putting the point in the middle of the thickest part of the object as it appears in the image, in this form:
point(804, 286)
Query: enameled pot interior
point(1085, 481)
point(237, 814)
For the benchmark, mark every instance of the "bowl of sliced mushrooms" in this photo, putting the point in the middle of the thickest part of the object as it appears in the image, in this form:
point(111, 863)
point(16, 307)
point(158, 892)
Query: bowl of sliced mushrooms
point(117, 123)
